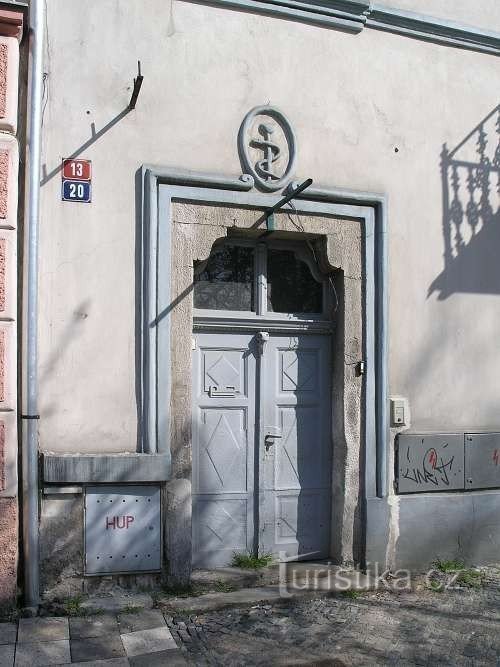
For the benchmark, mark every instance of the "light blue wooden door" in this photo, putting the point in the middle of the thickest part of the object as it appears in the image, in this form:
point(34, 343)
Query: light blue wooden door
point(261, 447)
point(223, 448)
point(295, 454)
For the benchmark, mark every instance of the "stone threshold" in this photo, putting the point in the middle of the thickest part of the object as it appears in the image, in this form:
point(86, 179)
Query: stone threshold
point(211, 590)
point(265, 586)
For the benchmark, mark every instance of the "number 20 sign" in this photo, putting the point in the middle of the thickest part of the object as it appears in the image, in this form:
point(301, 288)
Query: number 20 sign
point(76, 180)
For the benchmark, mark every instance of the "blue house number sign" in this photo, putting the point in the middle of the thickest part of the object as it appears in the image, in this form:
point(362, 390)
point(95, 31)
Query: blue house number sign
point(76, 180)
point(76, 191)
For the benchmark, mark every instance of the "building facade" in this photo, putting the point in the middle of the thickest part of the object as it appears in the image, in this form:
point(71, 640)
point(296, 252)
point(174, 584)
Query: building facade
point(221, 371)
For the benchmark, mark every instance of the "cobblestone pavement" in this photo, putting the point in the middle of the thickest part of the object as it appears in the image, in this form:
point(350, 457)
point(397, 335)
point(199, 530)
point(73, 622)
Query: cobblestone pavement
point(454, 627)
point(459, 626)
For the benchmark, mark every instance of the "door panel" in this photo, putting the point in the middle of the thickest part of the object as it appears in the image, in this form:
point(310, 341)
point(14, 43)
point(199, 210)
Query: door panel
point(223, 446)
point(222, 451)
point(261, 447)
point(220, 527)
point(298, 466)
point(302, 527)
point(295, 488)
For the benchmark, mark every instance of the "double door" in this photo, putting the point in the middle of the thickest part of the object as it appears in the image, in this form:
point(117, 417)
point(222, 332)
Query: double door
point(262, 446)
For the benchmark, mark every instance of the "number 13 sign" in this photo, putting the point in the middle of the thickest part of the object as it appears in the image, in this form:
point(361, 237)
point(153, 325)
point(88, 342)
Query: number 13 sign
point(76, 180)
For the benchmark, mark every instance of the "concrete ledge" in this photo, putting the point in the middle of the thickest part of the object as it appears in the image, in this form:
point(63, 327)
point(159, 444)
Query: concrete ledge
point(354, 15)
point(83, 468)
point(345, 15)
point(428, 28)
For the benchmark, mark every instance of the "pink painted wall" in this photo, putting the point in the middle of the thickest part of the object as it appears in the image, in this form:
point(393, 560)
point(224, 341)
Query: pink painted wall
point(4, 174)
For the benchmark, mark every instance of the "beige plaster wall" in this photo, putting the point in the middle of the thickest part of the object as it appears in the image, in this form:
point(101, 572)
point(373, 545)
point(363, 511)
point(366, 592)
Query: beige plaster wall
point(352, 99)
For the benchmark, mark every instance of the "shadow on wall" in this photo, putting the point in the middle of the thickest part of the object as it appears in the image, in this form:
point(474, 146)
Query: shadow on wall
point(470, 175)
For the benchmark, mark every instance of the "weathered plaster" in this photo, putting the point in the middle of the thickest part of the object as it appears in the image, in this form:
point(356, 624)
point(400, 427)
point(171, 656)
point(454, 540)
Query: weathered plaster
point(8, 365)
point(3, 360)
point(8, 460)
point(8, 550)
point(3, 78)
point(177, 531)
point(8, 274)
point(4, 183)
point(3, 268)
point(9, 165)
point(9, 77)
point(61, 545)
point(2, 457)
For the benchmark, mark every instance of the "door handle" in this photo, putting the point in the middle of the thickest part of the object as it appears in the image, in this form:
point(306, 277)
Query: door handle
point(269, 439)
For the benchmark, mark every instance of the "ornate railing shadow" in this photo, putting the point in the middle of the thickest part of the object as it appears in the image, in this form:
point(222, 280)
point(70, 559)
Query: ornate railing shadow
point(471, 212)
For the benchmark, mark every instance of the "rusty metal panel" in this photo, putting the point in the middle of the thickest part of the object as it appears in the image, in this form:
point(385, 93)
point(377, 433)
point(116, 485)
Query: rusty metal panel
point(433, 462)
point(122, 529)
point(482, 460)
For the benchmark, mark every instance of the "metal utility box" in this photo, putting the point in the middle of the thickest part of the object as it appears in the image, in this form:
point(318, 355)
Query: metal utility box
point(122, 529)
point(430, 462)
point(482, 460)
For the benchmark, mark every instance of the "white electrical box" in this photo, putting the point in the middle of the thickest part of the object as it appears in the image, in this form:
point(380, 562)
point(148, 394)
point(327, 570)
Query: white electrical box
point(399, 411)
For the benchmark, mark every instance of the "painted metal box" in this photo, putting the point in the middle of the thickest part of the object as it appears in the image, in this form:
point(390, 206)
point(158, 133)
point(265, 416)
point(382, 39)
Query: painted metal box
point(430, 462)
point(482, 460)
point(122, 529)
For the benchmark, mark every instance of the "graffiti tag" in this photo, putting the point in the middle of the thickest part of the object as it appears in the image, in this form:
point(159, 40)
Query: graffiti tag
point(434, 469)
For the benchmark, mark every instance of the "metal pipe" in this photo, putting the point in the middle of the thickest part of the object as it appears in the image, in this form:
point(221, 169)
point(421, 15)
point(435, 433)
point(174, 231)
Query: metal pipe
point(30, 418)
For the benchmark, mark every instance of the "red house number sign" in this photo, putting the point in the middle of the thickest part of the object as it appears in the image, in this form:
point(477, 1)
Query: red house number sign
point(77, 170)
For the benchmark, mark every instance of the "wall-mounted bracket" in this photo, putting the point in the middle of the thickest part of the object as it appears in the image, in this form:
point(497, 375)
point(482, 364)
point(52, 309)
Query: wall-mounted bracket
point(137, 87)
point(269, 213)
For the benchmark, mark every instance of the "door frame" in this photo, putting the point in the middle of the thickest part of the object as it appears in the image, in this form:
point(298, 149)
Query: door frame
point(159, 188)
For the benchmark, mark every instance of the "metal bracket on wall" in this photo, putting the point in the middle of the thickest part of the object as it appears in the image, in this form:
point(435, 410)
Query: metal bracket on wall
point(137, 87)
point(269, 213)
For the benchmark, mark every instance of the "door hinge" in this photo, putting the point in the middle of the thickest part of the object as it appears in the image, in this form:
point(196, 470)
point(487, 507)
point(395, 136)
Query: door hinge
point(262, 339)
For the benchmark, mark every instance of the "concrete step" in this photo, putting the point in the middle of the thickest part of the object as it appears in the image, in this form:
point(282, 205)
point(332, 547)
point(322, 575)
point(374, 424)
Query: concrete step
point(234, 577)
point(271, 594)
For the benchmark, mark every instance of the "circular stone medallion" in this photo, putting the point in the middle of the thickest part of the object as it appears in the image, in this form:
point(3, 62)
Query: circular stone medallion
point(267, 147)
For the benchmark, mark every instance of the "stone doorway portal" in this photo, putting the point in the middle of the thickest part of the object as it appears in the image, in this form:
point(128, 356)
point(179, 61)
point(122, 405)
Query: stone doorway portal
point(262, 446)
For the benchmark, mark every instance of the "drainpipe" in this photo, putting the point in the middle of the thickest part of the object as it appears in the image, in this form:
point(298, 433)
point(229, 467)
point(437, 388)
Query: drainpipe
point(30, 418)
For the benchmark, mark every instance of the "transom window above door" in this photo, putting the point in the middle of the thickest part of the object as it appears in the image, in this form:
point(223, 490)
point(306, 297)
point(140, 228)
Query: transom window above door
point(274, 279)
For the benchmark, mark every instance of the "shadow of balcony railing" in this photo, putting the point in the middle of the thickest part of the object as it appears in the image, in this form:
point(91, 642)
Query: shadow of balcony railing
point(470, 175)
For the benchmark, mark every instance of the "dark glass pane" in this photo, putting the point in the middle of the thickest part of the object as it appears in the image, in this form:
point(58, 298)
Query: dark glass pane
point(290, 285)
point(227, 282)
